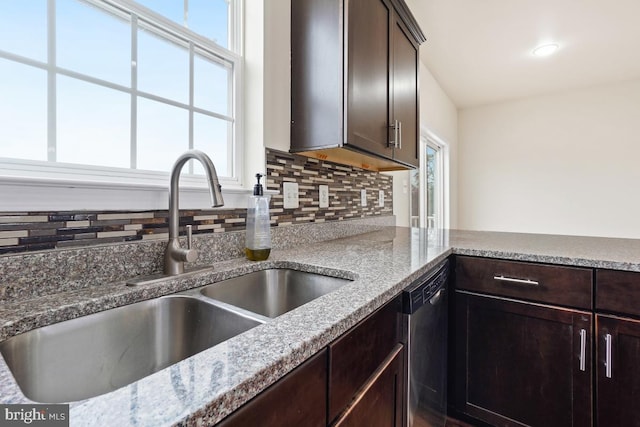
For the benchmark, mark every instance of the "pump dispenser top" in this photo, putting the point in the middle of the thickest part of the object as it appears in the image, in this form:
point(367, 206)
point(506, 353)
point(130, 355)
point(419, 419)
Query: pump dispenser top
point(257, 189)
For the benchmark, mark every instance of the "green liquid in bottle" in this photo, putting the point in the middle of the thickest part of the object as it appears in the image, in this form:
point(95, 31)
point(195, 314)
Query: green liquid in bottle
point(257, 254)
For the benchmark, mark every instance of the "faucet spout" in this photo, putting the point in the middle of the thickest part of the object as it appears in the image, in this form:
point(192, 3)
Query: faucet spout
point(175, 256)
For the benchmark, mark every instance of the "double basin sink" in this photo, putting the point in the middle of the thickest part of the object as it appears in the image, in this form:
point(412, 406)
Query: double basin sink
point(95, 354)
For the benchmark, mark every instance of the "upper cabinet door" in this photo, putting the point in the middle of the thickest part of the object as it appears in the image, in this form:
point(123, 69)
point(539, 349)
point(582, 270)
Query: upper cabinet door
point(404, 94)
point(368, 88)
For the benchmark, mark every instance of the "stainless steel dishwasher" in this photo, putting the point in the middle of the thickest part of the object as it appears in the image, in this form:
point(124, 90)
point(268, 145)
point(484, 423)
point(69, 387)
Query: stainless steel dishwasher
point(424, 306)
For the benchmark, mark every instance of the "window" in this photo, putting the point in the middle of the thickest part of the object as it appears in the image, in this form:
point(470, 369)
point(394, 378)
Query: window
point(116, 90)
point(429, 185)
point(434, 186)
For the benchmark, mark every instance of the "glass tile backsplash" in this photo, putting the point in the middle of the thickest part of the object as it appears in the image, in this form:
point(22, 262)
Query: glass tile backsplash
point(34, 231)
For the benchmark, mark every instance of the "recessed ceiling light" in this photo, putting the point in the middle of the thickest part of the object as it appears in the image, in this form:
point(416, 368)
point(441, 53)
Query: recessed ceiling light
point(545, 49)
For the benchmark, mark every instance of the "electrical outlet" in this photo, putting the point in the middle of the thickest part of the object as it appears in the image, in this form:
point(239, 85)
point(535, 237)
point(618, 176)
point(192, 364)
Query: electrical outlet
point(324, 196)
point(363, 197)
point(380, 198)
point(290, 194)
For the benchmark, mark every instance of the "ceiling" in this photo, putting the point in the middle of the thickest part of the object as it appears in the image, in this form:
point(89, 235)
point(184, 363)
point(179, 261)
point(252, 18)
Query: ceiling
point(480, 50)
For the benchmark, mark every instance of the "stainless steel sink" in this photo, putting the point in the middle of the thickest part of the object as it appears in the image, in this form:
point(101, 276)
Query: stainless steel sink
point(272, 292)
point(102, 352)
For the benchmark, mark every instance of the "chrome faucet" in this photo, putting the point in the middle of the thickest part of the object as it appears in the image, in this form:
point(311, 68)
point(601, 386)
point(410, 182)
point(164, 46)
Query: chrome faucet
point(175, 256)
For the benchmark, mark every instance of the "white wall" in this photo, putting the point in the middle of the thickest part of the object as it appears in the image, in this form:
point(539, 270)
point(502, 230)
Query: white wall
point(565, 164)
point(277, 66)
point(267, 67)
point(401, 197)
point(440, 116)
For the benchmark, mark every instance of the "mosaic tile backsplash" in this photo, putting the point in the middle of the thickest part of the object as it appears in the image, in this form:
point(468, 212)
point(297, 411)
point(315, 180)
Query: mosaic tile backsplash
point(34, 231)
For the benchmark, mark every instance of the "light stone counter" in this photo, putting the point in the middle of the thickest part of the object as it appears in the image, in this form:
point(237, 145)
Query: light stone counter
point(580, 251)
point(203, 389)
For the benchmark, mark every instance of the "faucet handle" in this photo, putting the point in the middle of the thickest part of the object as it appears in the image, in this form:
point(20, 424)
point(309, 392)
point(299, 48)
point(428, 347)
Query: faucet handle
point(190, 255)
point(189, 236)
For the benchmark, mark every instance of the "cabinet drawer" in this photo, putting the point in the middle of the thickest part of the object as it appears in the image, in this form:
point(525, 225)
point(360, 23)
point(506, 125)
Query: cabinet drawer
point(355, 356)
point(618, 291)
point(568, 286)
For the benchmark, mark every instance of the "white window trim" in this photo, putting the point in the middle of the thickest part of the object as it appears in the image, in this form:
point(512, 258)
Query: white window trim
point(429, 138)
point(33, 194)
point(34, 186)
point(43, 186)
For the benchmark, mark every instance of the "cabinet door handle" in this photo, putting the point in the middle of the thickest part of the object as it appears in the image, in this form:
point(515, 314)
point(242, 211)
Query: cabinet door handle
point(400, 131)
point(583, 350)
point(396, 130)
point(608, 362)
point(513, 280)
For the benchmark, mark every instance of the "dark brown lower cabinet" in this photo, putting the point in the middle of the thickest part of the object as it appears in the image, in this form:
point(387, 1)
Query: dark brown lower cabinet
point(298, 399)
point(522, 364)
point(618, 371)
point(361, 351)
point(379, 402)
point(356, 381)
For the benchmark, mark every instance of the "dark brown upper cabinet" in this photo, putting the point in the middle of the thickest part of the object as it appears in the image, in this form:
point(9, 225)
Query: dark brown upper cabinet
point(354, 82)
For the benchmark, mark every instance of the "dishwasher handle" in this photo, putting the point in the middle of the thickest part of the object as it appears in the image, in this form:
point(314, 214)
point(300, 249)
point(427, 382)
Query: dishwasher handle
point(428, 289)
point(437, 297)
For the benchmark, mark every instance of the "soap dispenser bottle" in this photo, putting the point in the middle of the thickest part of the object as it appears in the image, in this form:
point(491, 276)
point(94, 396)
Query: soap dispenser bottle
point(258, 239)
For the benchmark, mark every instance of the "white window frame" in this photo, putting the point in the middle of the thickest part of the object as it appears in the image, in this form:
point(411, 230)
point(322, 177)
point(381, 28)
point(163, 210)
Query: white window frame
point(441, 220)
point(27, 185)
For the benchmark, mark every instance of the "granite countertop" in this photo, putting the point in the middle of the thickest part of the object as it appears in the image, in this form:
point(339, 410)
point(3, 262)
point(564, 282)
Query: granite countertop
point(203, 389)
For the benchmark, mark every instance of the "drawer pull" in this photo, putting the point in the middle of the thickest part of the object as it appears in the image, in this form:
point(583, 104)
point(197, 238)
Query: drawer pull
point(607, 362)
point(583, 350)
point(519, 281)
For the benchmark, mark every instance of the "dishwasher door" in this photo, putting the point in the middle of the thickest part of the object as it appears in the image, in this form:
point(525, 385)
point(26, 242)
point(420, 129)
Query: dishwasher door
point(425, 323)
